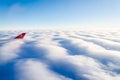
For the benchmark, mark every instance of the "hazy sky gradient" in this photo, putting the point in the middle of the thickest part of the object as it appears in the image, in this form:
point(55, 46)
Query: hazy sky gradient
point(59, 13)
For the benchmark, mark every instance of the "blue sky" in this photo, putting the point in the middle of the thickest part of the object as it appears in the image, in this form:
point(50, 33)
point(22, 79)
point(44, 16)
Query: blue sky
point(59, 13)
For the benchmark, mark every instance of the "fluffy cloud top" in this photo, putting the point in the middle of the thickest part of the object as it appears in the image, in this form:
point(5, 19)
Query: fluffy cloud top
point(62, 55)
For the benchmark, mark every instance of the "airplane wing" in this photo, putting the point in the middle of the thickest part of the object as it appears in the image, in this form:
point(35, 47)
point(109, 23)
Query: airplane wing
point(21, 36)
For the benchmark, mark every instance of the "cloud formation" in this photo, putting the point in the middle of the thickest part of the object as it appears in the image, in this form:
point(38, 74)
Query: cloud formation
point(63, 55)
point(15, 9)
point(36, 70)
point(9, 50)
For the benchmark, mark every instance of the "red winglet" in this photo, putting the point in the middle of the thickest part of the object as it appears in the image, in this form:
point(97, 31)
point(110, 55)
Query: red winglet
point(21, 36)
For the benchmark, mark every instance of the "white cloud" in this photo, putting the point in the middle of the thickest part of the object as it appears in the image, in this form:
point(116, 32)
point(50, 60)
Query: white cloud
point(35, 70)
point(9, 50)
point(15, 9)
point(52, 51)
point(90, 68)
point(111, 45)
point(97, 57)
point(84, 66)
point(95, 50)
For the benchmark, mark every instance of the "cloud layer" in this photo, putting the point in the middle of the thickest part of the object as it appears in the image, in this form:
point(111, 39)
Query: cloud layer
point(62, 55)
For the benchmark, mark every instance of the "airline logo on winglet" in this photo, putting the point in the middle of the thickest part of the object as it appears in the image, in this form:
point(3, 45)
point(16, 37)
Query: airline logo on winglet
point(21, 36)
